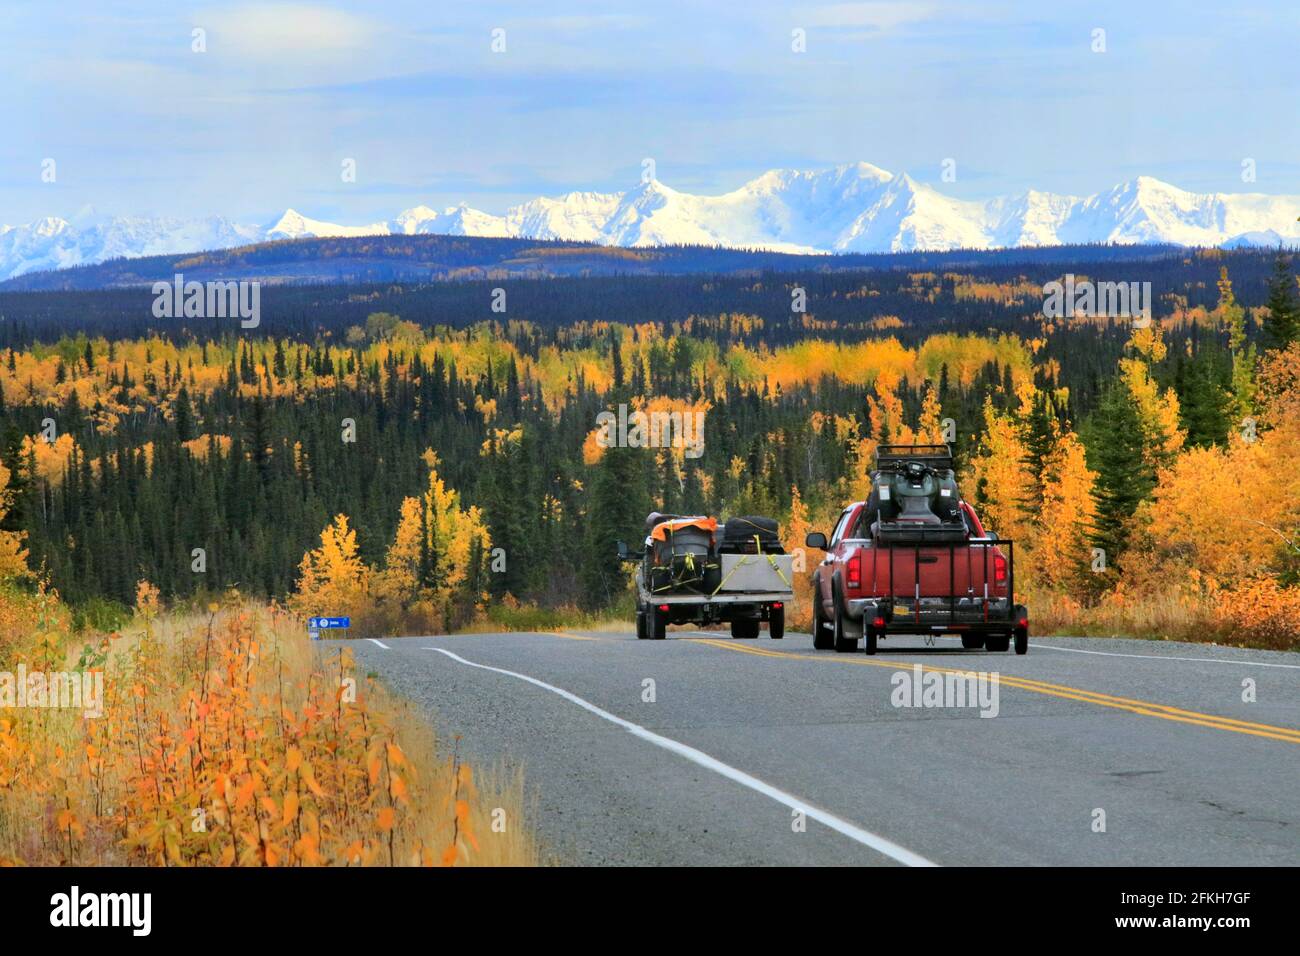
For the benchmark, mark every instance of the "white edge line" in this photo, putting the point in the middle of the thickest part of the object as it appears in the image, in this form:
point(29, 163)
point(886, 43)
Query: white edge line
point(380, 643)
point(865, 837)
point(1161, 657)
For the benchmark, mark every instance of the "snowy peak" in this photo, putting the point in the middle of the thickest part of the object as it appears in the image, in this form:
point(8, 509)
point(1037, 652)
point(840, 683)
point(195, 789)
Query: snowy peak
point(855, 207)
point(294, 225)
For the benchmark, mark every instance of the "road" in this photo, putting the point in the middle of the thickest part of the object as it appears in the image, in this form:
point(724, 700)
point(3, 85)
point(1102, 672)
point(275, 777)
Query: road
point(703, 750)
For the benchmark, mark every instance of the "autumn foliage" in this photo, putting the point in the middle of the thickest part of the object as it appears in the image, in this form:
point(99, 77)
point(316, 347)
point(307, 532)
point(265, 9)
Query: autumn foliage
point(227, 740)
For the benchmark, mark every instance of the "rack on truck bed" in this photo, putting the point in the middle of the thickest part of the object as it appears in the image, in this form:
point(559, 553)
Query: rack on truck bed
point(890, 457)
point(939, 612)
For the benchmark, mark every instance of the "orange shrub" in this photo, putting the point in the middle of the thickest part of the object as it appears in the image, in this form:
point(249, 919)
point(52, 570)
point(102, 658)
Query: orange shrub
point(1260, 613)
point(232, 740)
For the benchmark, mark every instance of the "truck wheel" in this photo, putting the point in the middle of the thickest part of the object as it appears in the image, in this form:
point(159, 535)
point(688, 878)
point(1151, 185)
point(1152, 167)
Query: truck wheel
point(822, 639)
point(972, 641)
point(997, 642)
point(872, 635)
point(743, 629)
point(1022, 640)
point(843, 643)
point(658, 623)
point(640, 626)
point(776, 623)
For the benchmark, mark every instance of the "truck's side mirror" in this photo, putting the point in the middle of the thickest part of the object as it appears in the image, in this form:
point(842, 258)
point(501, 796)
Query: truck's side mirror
point(991, 535)
point(622, 550)
point(816, 540)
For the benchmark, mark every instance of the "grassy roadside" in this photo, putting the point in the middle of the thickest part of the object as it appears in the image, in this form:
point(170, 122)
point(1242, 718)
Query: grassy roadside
point(227, 738)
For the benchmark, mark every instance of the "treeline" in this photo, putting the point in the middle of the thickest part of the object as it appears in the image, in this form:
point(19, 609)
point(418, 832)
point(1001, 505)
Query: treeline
point(922, 292)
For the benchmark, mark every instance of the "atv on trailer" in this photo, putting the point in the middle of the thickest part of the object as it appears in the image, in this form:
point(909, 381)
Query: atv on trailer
point(915, 559)
point(693, 570)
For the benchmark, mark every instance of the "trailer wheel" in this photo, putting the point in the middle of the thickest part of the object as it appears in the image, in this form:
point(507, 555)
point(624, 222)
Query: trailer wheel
point(843, 643)
point(776, 623)
point(822, 641)
point(997, 642)
point(972, 641)
point(658, 623)
point(640, 626)
point(1022, 640)
point(871, 635)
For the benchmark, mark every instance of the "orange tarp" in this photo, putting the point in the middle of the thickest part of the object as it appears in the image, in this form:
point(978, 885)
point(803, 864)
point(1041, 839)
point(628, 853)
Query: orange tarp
point(660, 533)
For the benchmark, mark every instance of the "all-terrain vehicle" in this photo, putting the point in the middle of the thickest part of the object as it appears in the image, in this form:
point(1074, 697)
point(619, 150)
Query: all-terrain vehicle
point(915, 559)
point(694, 570)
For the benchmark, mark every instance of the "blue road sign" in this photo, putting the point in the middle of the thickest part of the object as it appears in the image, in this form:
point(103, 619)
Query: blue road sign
point(325, 623)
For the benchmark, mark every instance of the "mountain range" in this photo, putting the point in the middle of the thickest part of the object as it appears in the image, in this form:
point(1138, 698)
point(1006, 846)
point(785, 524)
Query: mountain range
point(852, 208)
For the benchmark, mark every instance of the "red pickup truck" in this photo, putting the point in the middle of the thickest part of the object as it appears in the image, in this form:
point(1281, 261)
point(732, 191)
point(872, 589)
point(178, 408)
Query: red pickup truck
point(915, 559)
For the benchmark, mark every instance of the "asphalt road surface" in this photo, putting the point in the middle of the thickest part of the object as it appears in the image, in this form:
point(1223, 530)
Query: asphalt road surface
point(701, 749)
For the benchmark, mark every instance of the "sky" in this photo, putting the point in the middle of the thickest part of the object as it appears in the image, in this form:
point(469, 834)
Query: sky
point(281, 96)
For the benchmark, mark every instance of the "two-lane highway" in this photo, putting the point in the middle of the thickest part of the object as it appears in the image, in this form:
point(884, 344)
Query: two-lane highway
point(702, 749)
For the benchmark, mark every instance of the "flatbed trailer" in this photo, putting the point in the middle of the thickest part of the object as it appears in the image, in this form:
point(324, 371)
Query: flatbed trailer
point(751, 589)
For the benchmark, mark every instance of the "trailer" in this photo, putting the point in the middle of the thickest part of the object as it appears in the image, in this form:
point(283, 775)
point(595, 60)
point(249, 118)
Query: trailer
point(693, 571)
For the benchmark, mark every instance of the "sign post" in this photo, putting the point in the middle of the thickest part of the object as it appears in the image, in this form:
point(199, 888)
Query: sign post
point(317, 624)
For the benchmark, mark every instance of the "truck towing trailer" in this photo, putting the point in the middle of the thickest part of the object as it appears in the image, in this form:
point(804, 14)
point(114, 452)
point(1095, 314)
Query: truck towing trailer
point(914, 558)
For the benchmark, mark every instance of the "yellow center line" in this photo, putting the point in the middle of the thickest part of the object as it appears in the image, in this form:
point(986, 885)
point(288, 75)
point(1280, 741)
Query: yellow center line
point(1063, 691)
point(570, 637)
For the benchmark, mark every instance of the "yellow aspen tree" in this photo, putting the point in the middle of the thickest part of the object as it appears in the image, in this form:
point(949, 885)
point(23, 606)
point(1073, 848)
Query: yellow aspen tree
point(400, 579)
point(332, 579)
point(930, 427)
point(999, 478)
point(1061, 543)
point(1157, 408)
point(458, 540)
point(796, 530)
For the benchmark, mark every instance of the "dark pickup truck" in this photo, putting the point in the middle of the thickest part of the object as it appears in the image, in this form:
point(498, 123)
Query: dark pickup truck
point(915, 559)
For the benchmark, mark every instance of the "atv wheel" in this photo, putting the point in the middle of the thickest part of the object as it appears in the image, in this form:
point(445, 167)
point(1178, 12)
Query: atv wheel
point(972, 641)
point(640, 626)
point(843, 643)
point(822, 639)
point(776, 623)
point(997, 642)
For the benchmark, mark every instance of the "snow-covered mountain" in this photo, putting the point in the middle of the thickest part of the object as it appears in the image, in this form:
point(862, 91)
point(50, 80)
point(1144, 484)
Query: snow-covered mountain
point(853, 208)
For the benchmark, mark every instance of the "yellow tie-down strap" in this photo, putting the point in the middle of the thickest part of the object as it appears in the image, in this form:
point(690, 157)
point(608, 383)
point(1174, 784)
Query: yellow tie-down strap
point(744, 562)
point(690, 575)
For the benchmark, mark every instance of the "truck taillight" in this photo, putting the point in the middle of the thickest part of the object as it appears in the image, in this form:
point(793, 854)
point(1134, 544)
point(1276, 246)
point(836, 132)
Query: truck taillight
point(855, 571)
point(999, 569)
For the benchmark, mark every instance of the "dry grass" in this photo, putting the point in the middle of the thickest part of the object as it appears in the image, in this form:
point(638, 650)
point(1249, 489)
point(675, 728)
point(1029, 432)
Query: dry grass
point(229, 739)
point(1258, 613)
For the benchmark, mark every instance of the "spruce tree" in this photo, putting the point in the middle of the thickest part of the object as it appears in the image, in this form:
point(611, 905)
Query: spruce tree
point(1282, 323)
point(1115, 444)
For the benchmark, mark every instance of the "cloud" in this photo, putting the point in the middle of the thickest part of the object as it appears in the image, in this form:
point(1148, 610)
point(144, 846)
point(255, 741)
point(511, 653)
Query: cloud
point(879, 16)
point(287, 30)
